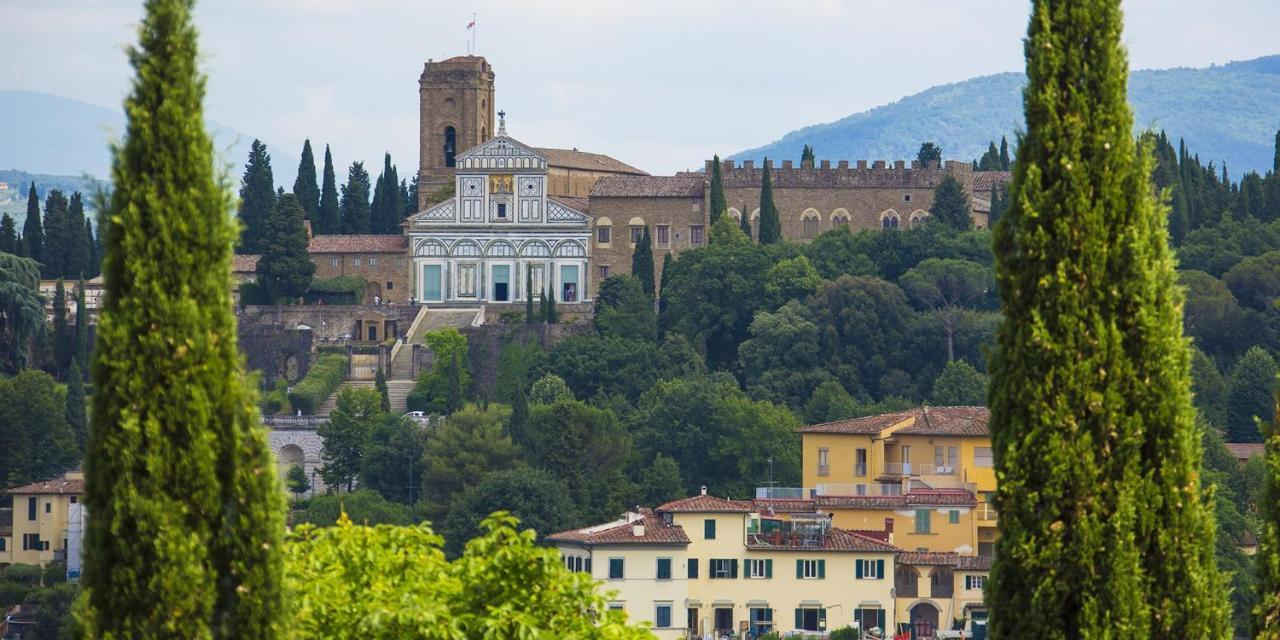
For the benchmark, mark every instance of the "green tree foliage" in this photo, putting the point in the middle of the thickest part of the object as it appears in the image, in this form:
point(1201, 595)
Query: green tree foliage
point(79, 257)
point(355, 201)
point(960, 385)
point(1210, 390)
point(32, 231)
point(8, 235)
point(346, 434)
point(863, 320)
point(949, 289)
point(829, 402)
point(1266, 612)
point(77, 421)
point(807, 157)
point(56, 248)
point(790, 279)
point(63, 339)
point(38, 441)
point(388, 206)
point(23, 309)
point(296, 480)
point(930, 154)
point(363, 506)
point(549, 314)
point(257, 199)
point(994, 159)
point(770, 223)
point(528, 298)
point(718, 205)
point(783, 360)
point(1104, 529)
point(642, 262)
point(380, 384)
point(601, 366)
point(323, 378)
point(443, 389)
point(550, 389)
point(345, 580)
point(517, 359)
point(1251, 396)
point(82, 331)
point(744, 223)
point(50, 607)
point(391, 459)
point(623, 310)
point(1005, 163)
point(661, 482)
point(1212, 317)
point(461, 452)
point(586, 448)
point(328, 218)
point(539, 499)
point(951, 206)
point(176, 449)
point(304, 186)
point(1223, 473)
point(285, 268)
point(1255, 281)
point(724, 231)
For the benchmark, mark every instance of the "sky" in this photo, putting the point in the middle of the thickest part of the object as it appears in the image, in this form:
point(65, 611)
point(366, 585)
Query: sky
point(657, 84)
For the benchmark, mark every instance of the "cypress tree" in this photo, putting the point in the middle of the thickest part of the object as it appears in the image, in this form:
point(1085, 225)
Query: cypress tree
point(285, 268)
point(32, 233)
point(519, 415)
point(807, 157)
point(8, 234)
point(1266, 613)
point(328, 217)
point(744, 222)
point(304, 186)
point(376, 212)
point(82, 331)
point(355, 200)
point(770, 225)
point(95, 250)
point(56, 247)
point(528, 294)
point(257, 198)
point(717, 204)
point(667, 261)
point(389, 208)
point(951, 205)
point(1004, 153)
point(1275, 161)
point(63, 341)
point(1091, 413)
point(549, 306)
point(1251, 395)
point(380, 383)
point(75, 413)
point(642, 262)
point(79, 247)
point(176, 453)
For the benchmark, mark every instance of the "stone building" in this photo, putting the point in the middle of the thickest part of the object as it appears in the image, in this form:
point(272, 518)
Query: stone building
point(572, 173)
point(673, 207)
point(380, 259)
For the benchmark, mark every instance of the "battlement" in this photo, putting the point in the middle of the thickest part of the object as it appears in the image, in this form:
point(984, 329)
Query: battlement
point(862, 174)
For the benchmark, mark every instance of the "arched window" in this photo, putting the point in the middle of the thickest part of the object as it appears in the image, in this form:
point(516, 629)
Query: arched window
point(535, 249)
point(889, 219)
point(812, 223)
point(450, 146)
point(570, 249)
point(432, 248)
point(466, 248)
point(918, 218)
point(839, 218)
point(637, 229)
point(604, 231)
point(500, 248)
point(737, 215)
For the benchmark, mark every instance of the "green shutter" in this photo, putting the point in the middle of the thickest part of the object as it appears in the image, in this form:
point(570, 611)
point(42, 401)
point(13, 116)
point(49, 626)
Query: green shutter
point(733, 568)
point(880, 619)
point(693, 567)
point(857, 569)
point(799, 617)
point(768, 568)
point(822, 568)
point(880, 569)
point(799, 570)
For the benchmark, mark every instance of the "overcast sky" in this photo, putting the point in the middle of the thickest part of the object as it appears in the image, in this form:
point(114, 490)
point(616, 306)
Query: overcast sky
point(660, 85)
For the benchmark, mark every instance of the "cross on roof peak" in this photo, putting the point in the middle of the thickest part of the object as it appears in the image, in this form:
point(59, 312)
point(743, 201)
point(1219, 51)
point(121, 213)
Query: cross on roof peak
point(502, 123)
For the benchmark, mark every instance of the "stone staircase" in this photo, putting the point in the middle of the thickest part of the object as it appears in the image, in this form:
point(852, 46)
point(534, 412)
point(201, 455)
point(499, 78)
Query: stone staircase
point(397, 390)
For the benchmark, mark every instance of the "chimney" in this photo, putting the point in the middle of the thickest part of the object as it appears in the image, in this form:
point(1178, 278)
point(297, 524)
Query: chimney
point(704, 489)
point(637, 530)
point(888, 525)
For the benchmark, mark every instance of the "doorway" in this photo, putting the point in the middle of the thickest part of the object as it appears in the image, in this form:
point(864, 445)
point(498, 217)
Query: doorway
point(723, 620)
point(924, 620)
point(431, 283)
point(501, 283)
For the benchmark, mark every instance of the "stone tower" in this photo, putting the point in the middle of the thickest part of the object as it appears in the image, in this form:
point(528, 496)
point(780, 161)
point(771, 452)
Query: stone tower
point(456, 113)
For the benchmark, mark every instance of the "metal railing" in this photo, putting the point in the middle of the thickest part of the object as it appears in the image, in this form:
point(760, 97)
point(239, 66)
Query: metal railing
point(824, 470)
point(781, 493)
point(987, 513)
point(897, 469)
point(292, 422)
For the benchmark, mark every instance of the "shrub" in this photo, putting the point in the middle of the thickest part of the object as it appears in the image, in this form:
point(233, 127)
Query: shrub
point(26, 574)
point(365, 507)
point(325, 376)
point(12, 593)
point(339, 290)
point(844, 633)
point(277, 400)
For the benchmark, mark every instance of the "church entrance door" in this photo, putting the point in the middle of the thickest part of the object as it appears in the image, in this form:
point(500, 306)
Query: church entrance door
point(431, 283)
point(501, 283)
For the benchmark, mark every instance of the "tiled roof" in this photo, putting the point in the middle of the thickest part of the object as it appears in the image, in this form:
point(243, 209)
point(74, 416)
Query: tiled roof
point(974, 563)
point(882, 536)
point(916, 498)
point(941, 498)
point(929, 558)
point(1246, 450)
point(846, 540)
point(367, 243)
point(648, 187)
point(779, 505)
point(579, 204)
point(861, 502)
point(656, 531)
point(926, 421)
point(586, 161)
point(982, 180)
point(706, 504)
point(57, 486)
point(244, 263)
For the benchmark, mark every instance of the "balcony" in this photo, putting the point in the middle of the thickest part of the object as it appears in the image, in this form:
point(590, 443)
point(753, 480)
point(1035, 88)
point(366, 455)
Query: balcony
point(896, 469)
point(986, 512)
point(860, 469)
point(937, 470)
point(859, 489)
point(824, 470)
point(799, 532)
point(782, 493)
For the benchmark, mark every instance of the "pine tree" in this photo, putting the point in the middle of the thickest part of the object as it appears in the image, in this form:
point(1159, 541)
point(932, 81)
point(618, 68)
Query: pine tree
point(304, 186)
point(528, 294)
point(1250, 397)
point(1104, 529)
point(79, 257)
point(176, 450)
point(75, 413)
point(718, 205)
point(929, 155)
point(1266, 613)
point(82, 331)
point(951, 205)
point(55, 235)
point(285, 268)
point(328, 218)
point(1004, 153)
point(8, 234)
point(642, 262)
point(355, 200)
point(770, 225)
point(32, 233)
point(257, 198)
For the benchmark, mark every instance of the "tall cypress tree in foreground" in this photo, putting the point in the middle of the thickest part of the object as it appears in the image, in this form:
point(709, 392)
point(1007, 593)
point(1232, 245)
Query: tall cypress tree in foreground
point(32, 234)
point(328, 218)
point(717, 201)
point(1266, 613)
point(1104, 529)
point(257, 198)
point(770, 225)
point(642, 262)
point(187, 522)
point(304, 186)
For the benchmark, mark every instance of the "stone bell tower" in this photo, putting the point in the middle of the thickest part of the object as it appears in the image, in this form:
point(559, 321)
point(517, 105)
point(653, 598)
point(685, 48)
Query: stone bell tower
point(456, 113)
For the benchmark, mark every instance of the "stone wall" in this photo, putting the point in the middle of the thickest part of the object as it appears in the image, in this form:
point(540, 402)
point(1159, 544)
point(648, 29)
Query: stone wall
point(388, 274)
point(277, 351)
point(328, 323)
point(680, 214)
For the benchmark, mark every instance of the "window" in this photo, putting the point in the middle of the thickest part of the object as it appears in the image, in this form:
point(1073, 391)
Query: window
point(355, 262)
point(31, 508)
point(73, 499)
point(889, 222)
point(906, 197)
point(824, 468)
point(869, 569)
point(615, 606)
point(709, 529)
point(761, 620)
point(48, 507)
point(695, 234)
point(722, 568)
point(467, 280)
point(811, 619)
point(869, 618)
point(757, 568)
point(662, 615)
point(663, 234)
point(922, 521)
point(615, 568)
point(982, 457)
point(954, 517)
point(502, 211)
point(390, 285)
point(450, 146)
point(333, 262)
point(31, 542)
point(974, 583)
point(373, 261)
point(604, 271)
point(602, 235)
point(664, 568)
point(811, 225)
point(693, 568)
point(860, 462)
point(987, 549)
point(636, 234)
point(945, 459)
point(811, 569)
point(2, 545)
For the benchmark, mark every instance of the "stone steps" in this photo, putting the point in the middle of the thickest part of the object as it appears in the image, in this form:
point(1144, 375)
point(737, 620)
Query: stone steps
point(397, 390)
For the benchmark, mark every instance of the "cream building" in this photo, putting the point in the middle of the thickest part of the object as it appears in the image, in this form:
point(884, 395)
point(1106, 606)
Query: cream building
point(42, 519)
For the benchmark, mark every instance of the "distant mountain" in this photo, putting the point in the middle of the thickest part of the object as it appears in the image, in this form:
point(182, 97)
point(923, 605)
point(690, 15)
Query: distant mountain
point(48, 134)
point(1229, 112)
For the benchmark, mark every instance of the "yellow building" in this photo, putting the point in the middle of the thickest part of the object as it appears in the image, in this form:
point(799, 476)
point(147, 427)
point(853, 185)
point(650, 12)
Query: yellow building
point(42, 516)
point(938, 591)
point(738, 568)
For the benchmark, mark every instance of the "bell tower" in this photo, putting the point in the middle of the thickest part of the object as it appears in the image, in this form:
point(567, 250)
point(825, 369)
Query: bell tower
point(456, 113)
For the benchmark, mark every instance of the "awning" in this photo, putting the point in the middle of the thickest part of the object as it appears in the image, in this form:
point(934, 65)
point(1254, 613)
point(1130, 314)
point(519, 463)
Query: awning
point(757, 603)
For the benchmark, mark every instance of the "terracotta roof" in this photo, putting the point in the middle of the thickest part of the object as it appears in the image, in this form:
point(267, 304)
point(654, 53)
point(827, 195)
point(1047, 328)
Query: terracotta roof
point(882, 536)
point(706, 504)
point(1246, 450)
point(982, 180)
point(648, 187)
point(656, 531)
point(929, 558)
point(586, 161)
point(781, 505)
point(367, 243)
point(942, 498)
point(243, 263)
point(846, 540)
point(580, 204)
point(57, 486)
point(916, 498)
point(926, 421)
point(861, 502)
point(974, 563)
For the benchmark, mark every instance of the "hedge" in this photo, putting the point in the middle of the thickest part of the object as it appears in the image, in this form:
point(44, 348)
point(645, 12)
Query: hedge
point(325, 376)
point(339, 290)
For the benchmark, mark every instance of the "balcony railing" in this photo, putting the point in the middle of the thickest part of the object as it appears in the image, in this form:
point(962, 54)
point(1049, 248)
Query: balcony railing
point(824, 470)
point(937, 469)
point(897, 469)
point(860, 469)
point(858, 489)
point(782, 493)
point(986, 513)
